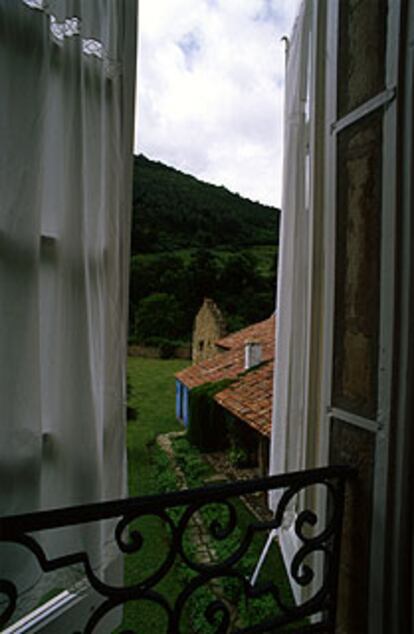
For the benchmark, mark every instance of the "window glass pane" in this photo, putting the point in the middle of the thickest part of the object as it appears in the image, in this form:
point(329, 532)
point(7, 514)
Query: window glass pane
point(359, 175)
point(354, 446)
point(361, 64)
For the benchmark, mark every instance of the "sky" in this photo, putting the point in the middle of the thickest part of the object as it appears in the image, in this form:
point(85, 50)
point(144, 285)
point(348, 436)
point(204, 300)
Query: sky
point(210, 90)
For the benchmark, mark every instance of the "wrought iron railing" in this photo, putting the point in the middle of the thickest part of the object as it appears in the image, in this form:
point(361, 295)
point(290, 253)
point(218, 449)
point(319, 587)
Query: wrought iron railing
point(178, 511)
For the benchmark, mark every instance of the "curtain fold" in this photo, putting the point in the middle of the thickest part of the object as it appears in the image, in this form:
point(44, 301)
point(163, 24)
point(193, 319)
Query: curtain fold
point(66, 129)
point(286, 452)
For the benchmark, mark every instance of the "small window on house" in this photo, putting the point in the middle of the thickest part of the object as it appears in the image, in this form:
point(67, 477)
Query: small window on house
point(201, 346)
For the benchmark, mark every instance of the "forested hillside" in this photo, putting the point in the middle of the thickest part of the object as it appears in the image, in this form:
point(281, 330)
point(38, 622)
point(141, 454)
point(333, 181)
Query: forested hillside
point(173, 211)
point(192, 240)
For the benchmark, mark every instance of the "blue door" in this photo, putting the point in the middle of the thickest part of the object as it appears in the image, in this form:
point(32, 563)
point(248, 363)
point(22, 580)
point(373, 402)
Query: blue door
point(185, 412)
point(178, 400)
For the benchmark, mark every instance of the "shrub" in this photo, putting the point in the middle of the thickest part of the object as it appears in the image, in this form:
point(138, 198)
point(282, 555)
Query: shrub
point(243, 443)
point(189, 460)
point(239, 457)
point(167, 349)
point(131, 411)
point(158, 315)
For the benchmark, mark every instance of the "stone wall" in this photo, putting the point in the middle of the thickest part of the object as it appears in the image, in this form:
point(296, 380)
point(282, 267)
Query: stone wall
point(209, 326)
point(153, 352)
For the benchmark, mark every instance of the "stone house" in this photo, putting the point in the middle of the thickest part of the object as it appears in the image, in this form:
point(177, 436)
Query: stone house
point(247, 358)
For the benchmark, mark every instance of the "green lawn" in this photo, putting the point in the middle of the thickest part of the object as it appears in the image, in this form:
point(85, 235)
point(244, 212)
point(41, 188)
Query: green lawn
point(153, 397)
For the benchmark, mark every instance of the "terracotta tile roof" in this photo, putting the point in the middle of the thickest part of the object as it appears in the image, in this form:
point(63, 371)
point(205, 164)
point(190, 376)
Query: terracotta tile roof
point(227, 365)
point(262, 331)
point(250, 398)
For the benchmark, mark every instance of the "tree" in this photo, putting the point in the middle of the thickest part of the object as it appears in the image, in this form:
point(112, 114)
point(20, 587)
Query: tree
point(203, 274)
point(158, 316)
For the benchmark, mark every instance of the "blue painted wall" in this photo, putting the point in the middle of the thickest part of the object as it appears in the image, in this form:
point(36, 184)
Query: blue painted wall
point(182, 395)
point(178, 399)
point(185, 407)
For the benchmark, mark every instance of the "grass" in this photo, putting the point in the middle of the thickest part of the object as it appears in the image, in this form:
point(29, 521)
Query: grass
point(153, 397)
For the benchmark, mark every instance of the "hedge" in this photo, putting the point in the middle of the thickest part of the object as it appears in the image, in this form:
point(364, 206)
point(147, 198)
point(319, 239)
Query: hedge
point(208, 429)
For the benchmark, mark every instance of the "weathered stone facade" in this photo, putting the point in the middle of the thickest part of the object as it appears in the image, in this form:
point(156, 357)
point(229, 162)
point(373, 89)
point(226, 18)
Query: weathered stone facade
point(209, 325)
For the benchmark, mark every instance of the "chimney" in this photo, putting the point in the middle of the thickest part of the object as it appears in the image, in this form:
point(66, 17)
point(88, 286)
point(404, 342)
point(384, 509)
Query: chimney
point(252, 354)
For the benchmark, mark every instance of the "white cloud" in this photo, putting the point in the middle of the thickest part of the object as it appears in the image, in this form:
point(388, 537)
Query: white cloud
point(210, 89)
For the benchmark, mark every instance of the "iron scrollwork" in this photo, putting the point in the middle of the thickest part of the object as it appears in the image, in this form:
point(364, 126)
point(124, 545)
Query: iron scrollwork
point(213, 507)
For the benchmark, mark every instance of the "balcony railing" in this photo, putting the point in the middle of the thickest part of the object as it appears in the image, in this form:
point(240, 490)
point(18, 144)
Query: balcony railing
point(178, 511)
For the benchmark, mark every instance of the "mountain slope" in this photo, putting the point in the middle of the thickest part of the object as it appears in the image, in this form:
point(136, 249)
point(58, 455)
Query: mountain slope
point(172, 210)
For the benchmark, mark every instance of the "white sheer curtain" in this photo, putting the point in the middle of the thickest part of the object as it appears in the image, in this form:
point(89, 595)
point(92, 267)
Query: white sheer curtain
point(298, 428)
point(67, 72)
point(287, 450)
